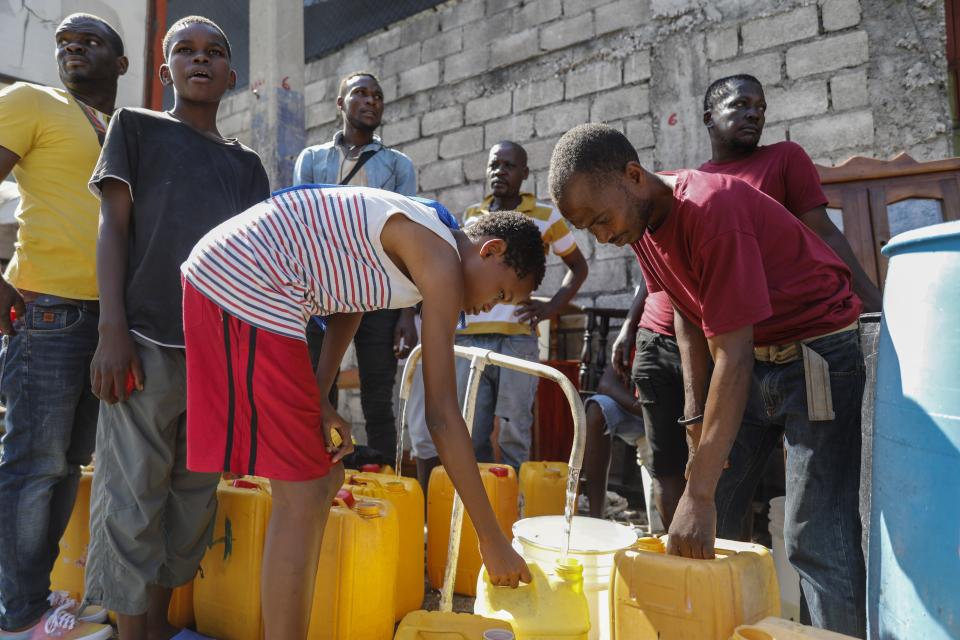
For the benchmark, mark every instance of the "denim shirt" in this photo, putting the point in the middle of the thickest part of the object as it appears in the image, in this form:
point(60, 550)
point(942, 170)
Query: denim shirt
point(388, 169)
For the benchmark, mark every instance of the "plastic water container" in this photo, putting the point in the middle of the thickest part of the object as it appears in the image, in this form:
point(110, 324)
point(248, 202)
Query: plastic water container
point(226, 594)
point(787, 576)
point(353, 596)
point(500, 483)
point(543, 488)
point(436, 625)
point(68, 571)
point(779, 629)
point(180, 612)
point(406, 497)
point(658, 596)
point(913, 569)
point(593, 543)
point(549, 607)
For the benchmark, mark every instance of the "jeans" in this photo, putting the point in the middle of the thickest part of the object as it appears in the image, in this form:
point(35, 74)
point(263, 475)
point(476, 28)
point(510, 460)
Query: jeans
point(659, 381)
point(504, 393)
point(822, 521)
point(51, 428)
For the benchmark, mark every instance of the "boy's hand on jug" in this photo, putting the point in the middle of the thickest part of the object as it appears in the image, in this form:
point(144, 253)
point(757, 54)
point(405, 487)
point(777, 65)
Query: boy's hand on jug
point(504, 565)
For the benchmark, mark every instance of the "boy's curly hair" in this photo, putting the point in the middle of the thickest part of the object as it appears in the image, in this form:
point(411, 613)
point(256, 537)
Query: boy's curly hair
point(186, 22)
point(525, 252)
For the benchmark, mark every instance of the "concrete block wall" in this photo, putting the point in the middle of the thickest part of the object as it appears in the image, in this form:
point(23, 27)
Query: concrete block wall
point(842, 77)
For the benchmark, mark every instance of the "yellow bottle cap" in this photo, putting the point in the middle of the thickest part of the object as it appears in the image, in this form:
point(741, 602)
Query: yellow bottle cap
point(395, 487)
point(650, 543)
point(368, 509)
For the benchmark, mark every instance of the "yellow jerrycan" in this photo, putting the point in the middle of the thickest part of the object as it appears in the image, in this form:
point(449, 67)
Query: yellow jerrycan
point(500, 483)
point(68, 571)
point(779, 629)
point(543, 488)
point(226, 595)
point(406, 496)
point(553, 607)
point(353, 596)
point(658, 596)
point(437, 625)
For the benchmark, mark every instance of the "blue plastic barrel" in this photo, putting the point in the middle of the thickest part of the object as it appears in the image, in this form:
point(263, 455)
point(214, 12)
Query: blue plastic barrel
point(913, 576)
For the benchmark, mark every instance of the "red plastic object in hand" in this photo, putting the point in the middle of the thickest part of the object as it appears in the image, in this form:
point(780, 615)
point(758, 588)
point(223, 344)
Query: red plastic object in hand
point(131, 384)
point(347, 497)
point(370, 468)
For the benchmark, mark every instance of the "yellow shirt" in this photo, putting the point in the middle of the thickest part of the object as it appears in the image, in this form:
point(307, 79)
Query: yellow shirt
point(556, 237)
point(57, 215)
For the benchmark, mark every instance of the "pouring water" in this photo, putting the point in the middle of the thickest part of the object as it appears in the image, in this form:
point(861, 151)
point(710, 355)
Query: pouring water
point(570, 508)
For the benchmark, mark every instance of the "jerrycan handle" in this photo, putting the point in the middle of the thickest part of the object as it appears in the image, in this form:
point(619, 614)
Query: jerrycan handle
point(358, 481)
point(539, 577)
point(344, 498)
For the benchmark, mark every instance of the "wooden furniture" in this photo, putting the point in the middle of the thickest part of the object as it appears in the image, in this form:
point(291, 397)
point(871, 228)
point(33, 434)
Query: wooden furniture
point(873, 200)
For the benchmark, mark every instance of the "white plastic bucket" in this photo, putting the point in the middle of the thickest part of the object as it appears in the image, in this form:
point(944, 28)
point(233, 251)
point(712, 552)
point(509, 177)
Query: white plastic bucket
point(593, 542)
point(787, 576)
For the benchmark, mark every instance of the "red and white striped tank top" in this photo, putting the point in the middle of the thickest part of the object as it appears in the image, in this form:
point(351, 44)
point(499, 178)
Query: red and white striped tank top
point(307, 251)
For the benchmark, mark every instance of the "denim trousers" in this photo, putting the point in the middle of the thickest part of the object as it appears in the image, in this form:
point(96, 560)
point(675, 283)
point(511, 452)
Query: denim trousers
point(822, 521)
point(51, 426)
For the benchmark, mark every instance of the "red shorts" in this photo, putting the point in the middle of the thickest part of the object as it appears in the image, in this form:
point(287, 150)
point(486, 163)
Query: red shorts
point(253, 405)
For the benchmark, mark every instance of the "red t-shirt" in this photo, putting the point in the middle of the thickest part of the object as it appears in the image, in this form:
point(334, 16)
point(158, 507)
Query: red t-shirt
point(730, 256)
point(783, 171)
point(657, 314)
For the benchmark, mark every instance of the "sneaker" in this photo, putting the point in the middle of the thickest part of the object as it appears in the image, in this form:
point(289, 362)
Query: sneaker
point(61, 624)
point(90, 613)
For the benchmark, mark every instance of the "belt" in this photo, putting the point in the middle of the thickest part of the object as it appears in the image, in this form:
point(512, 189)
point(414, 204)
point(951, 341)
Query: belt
point(816, 370)
point(86, 305)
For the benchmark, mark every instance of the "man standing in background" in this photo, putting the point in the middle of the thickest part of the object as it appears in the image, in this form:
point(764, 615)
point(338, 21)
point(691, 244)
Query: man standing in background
point(356, 156)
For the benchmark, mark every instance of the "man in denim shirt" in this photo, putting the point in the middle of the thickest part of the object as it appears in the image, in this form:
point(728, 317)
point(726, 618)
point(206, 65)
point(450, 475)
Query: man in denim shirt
point(357, 156)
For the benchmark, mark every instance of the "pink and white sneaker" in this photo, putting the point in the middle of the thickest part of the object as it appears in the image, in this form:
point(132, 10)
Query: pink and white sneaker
point(61, 624)
point(90, 613)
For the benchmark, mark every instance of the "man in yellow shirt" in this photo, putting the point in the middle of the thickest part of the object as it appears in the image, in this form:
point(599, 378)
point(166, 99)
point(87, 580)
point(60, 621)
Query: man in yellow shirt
point(50, 139)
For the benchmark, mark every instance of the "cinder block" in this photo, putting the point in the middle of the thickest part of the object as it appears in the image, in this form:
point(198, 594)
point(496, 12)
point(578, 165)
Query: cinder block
point(722, 43)
point(457, 199)
point(840, 14)
point(475, 166)
point(461, 142)
point(489, 30)
point(535, 13)
point(636, 67)
point(574, 7)
point(593, 78)
point(426, 76)
point(537, 94)
point(514, 48)
point(827, 54)
point(442, 120)
point(461, 14)
point(442, 45)
point(496, 6)
point(560, 118)
point(765, 68)
point(446, 173)
point(539, 151)
point(317, 115)
point(322, 91)
point(774, 133)
point(401, 60)
point(625, 14)
point(419, 28)
point(422, 152)
point(383, 42)
point(466, 64)
point(849, 90)
point(779, 29)
point(399, 131)
point(823, 135)
point(488, 107)
point(620, 103)
point(801, 100)
point(606, 275)
point(615, 300)
point(516, 128)
point(389, 84)
point(567, 32)
point(640, 133)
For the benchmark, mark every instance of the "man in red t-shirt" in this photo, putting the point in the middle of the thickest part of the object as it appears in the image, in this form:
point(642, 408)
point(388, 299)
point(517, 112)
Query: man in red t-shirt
point(772, 306)
point(734, 111)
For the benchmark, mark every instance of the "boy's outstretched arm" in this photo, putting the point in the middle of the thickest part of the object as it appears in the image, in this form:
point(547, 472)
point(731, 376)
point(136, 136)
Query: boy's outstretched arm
point(341, 328)
point(116, 353)
point(435, 268)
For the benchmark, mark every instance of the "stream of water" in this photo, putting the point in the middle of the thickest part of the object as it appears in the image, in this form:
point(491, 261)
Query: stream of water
point(573, 478)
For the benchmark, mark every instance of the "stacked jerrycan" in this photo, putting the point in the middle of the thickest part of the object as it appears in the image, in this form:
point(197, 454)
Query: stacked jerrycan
point(353, 596)
point(406, 497)
point(500, 483)
point(227, 589)
point(657, 596)
point(778, 629)
point(913, 569)
point(543, 488)
point(436, 625)
point(552, 607)
point(68, 572)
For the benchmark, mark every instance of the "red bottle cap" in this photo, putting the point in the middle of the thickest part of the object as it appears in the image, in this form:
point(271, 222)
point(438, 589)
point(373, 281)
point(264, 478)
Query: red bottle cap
point(370, 468)
point(347, 497)
point(245, 484)
point(500, 472)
